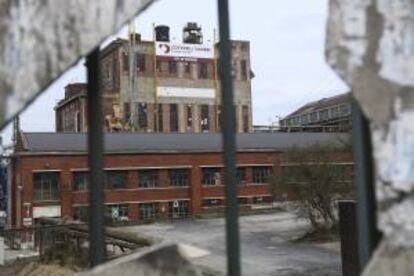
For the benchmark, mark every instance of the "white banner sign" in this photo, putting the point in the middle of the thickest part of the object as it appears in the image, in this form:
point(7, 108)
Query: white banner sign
point(166, 49)
point(169, 91)
point(46, 211)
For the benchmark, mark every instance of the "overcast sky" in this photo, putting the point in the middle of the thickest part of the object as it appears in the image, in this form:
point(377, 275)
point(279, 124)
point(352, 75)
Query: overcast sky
point(287, 54)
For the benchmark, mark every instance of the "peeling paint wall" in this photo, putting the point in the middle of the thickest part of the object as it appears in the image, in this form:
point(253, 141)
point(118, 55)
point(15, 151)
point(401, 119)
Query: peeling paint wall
point(370, 44)
point(39, 40)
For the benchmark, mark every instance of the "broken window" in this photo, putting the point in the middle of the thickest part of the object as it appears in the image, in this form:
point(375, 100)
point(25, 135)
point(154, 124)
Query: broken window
point(187, 67)
point(80, 181)
point(205, 124)
point(261, 174)
point(243, 68)
point(189, 117)
point(127, 111)
point(213, 202)
point(179, 177)
point(116, 179)
point(142, 116)
point(46, 186)
point(81, 213)
point(117, 212)
point(203, 71)
point(149, 210)
point(172, 67)
point(178, 209)
point(241, 176)
point(140, 62)
point(125, 62)
point(160, 118)
point(211, 176)
point(245, 119)
point(173, 118)
point(148, 178)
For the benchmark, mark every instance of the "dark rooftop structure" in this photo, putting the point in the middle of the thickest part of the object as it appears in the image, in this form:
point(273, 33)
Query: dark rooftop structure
point(331, 114)
point(184, 142)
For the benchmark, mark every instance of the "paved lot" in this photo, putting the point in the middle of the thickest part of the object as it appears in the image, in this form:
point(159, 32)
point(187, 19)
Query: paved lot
point(265, 245)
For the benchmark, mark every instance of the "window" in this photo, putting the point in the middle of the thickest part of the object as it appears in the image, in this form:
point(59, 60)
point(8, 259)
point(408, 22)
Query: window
point(324, 114)
point(179, 209)
point(189, 117)
point(219, 117)
point(187, 67)
point(116, 179)
point(148, 178)
point(172, 67)
point(313, 117)
point(243, 69)
point(117, 212)
point(80, 181)
point(241, 175)
point(242, 200)
point(158, 65)
point(81, 213)
point(205, 124)
point(344, 109)
point(245, 112)
point(173, 118)
point(261, 174)
point(142, 116)
point(46, 186)
point(203, 71)
point(212, 202)
point(304, 118)
point(149, 210)
point(179, 177)
point(125, 62)
point(127, 111)
point(160, 118)
point(140, 62)
point(334, 111)
point(262, 199)
point(211, 176)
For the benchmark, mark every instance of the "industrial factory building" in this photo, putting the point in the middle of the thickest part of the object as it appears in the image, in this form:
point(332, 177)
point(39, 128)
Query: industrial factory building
point(162, 86)
point(331, 114)
point(147, 176)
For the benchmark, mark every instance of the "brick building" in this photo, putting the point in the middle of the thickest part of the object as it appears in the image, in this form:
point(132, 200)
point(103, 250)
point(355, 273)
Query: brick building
point(164, 85)
point(331, 114)
point(147, 175)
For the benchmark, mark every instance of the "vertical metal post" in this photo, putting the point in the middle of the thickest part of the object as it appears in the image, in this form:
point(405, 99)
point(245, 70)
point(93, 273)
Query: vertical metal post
point(229, 141)
point(368, 234)
point(96, 148)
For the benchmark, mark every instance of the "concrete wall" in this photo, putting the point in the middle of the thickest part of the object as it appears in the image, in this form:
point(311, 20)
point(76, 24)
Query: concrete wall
point(370, 45)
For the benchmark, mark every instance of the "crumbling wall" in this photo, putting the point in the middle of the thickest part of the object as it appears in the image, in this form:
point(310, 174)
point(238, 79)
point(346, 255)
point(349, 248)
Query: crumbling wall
point(370, 44)
point(39, 40)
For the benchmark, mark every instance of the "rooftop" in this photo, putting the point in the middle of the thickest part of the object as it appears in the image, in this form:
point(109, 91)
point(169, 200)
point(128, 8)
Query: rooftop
point(173, 142)
point(322, 103)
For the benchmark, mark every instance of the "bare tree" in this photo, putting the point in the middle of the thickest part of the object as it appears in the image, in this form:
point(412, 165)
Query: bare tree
point(314, 178)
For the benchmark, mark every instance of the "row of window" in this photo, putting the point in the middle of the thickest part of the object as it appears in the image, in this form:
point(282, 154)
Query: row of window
point(321, 115)
point(140, 118)
point(213, 176)
point(152, 210)
point(204, 70)
point(146, 179)
point(220, 202)
point(46, 184)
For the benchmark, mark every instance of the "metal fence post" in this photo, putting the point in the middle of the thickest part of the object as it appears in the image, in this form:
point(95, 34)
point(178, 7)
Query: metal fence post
point(229, 141)
point(95, 148)
point(368, 234)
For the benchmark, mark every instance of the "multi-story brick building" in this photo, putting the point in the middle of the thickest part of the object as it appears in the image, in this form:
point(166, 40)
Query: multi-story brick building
point(147, 175)
point(166, 86)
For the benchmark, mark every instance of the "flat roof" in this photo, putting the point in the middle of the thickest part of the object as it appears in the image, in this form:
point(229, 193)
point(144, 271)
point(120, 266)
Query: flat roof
point(64, 142)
